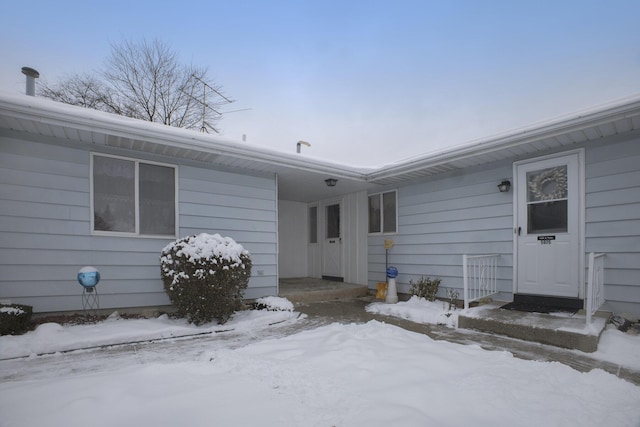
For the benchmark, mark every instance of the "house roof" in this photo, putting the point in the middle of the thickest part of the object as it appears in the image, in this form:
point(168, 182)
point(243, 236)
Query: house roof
point(301, 178)
point(619, 117)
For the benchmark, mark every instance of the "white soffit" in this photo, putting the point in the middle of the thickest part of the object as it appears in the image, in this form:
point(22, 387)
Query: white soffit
point(302, 174)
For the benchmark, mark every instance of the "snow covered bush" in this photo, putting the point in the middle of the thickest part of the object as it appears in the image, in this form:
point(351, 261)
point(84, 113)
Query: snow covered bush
point(205, 276)
point(425, 288)
point(14, 318)
point(273, 304)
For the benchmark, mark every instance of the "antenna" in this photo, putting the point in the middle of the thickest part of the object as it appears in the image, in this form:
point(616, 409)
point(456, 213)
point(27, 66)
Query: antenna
point(203, 128)
point(206, 85)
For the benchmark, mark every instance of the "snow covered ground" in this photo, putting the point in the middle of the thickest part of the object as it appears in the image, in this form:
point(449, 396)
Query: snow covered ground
point(253, 371)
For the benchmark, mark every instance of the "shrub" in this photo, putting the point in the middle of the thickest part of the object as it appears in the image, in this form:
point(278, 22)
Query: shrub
point(15, 318)
point(205, 276)
point(425, 288)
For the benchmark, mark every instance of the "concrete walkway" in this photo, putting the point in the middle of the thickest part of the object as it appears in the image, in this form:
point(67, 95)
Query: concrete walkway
point(318, 313)
point(353, 311)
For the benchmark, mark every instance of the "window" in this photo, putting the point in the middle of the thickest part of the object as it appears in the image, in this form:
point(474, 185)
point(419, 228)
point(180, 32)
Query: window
point(333, 221)
point(547, 201)
point(383, 212)
point(133, 197)
point(313, 224)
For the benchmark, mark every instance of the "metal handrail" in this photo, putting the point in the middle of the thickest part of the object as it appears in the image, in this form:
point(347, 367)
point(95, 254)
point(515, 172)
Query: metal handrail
point(479, 276)
point(595, 284)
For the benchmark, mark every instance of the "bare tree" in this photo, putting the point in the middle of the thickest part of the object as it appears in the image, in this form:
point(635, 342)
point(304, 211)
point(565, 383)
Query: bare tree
point(83, 90)
point(146, 81)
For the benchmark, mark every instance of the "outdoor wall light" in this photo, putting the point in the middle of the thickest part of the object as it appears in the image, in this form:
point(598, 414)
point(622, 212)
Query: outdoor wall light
point(504, 186)
point(331, 182)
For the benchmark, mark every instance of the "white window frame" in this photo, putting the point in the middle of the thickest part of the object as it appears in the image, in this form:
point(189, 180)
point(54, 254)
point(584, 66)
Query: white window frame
point(136, 233)
point(382, 232)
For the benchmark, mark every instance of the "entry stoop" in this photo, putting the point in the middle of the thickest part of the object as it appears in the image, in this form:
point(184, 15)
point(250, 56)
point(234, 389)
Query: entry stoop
point(305, 290)
point(557, 329)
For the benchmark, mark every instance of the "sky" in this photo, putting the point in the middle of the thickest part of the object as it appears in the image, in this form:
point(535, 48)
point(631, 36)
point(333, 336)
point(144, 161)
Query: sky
point(364, 82)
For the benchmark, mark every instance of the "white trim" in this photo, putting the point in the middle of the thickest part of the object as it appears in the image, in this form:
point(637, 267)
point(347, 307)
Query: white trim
point(606, 113)
point(136, 177)
point(98, 126)
point(277, 220)
point(580, 152)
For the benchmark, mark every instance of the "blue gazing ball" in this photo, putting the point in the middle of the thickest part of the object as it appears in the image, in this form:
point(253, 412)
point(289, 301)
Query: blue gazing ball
point(88, 277)
point(392, 272)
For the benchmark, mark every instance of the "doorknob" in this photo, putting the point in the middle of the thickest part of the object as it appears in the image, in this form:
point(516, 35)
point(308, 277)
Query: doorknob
point(517, 230)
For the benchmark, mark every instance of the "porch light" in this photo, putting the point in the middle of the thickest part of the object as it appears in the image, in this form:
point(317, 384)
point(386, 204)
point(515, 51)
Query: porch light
point(504, 186)
point(331, 182)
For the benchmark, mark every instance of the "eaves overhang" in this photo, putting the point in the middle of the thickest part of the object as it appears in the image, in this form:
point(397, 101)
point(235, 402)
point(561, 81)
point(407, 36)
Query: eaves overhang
point(616, 118)
point(45, 117)
point(301, 178)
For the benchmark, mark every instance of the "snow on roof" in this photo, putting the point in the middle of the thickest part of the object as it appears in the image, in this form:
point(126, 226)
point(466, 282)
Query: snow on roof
point(50, 111)
point(589, 124)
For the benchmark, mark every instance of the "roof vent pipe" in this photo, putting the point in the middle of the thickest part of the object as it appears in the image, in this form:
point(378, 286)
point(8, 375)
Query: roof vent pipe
point(301, 143)
point(32, 75)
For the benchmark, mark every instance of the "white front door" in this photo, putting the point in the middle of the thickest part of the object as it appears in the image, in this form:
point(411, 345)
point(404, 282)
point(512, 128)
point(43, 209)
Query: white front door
point(332, 247)
point(548, 226)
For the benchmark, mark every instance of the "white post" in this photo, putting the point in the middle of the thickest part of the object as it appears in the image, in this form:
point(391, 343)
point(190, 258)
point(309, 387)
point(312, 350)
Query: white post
point(590, 284)
point(465, 276)
point(392, 292)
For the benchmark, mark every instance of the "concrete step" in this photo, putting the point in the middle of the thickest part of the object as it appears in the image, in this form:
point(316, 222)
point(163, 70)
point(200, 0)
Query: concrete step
point(315, 290)
point(557, 329)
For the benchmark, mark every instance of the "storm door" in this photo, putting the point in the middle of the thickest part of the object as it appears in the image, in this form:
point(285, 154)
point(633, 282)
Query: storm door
point(548, 227)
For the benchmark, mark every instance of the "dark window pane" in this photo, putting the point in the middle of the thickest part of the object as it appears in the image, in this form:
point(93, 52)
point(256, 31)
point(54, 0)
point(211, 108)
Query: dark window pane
point(389, 210)
point(374, 213)
point(113, 195)
point(333, 221)
point(549, 217)
point(313, 224)
point(157, 200)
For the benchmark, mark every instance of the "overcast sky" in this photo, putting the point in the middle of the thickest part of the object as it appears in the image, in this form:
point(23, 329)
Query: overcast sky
point(365, 82)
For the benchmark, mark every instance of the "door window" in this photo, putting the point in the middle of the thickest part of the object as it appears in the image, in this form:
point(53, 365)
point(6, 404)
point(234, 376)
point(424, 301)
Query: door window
point(547, 200)
point(333, 221)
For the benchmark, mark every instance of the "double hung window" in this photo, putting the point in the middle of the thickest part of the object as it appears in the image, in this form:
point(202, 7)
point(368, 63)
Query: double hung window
point(383, 214)
point(133, 197)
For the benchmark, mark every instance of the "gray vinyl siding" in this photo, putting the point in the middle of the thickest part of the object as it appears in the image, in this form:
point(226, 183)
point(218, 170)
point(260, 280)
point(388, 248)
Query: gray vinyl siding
point(440, 220)
point(239, 206)
point(462, 212)
point(613, 218)
point(45, 235)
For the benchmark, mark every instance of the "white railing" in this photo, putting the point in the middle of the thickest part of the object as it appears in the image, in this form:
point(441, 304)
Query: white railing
point(479, 272)
point(595, 285)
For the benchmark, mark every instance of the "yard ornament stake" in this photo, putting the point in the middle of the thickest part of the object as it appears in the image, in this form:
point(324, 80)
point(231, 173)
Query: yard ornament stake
point(89, 277)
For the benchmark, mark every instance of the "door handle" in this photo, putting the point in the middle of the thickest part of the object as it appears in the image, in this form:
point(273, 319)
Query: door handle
point(517, 230)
